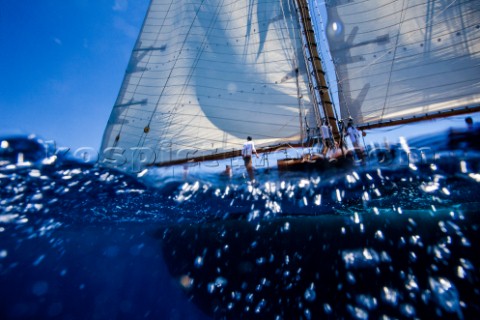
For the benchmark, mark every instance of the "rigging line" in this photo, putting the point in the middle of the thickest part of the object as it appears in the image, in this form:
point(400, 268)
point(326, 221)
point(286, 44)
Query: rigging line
point(294, 65)
point(171, 70)
point(402, 18)
point(427, 22)
point(150, 53)
point(192, 70)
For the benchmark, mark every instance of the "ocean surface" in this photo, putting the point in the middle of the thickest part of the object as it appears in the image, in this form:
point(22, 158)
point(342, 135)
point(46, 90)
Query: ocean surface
point(395, 238)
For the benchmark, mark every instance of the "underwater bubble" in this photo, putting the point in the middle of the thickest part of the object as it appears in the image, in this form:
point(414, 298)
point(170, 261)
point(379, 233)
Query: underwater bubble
point(350, 178)
point(466, 264)
point(310, 293)
point(339, 196)
point(416, 240)
point(198, 262)
point(379, 235)
point(411, 283)
point(356, 218)
point(367, 301)
point(351, 278)
point(365, 196)
point(445, 294)
point(3, 254)
point(357, 313)
point(461, 273)
point(412, 256)
point(465, 242)
point(475, 176)
point(327, 308)
point(210, 287)
point(8, 218)
point(39, 260)
point(360, 258)
point(220, 282)
point(385, 257)
point(308, 314)
point(429, 187)
point(407, 310)
point(261, 305)
point(441, 252)
point(390, 296)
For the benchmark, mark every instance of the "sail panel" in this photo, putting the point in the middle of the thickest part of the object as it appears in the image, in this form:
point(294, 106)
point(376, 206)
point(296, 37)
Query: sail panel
point(405, 58)
point(204, 75)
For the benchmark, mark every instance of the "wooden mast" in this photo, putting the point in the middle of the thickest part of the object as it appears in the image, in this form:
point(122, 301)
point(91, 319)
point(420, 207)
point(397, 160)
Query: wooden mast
point(317, 73)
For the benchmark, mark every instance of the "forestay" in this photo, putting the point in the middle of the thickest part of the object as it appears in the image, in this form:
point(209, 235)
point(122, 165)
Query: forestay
point(204, 75)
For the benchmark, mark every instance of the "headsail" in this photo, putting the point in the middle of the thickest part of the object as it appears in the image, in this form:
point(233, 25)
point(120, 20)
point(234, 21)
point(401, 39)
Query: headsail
point(403, 59)
point(206, 74)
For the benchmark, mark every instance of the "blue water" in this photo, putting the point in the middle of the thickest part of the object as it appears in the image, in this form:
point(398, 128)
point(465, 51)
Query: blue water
point(395, 239)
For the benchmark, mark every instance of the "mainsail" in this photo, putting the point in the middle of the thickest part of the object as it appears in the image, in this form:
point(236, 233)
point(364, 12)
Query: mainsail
point(401, 60)
point(205, 74)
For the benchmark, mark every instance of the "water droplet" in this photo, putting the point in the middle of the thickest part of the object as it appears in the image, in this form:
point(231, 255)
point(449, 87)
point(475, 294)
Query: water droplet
point(357, 313)
point(407, 310)
point(198, 262)
point(445, 294)
point(327, 308)
point(367, 301)
point(310, 293)
point(390, 296)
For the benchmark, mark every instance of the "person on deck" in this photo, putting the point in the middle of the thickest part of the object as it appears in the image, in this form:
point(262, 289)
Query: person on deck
point(327, 138)
point(247, 151)
point(354, 135)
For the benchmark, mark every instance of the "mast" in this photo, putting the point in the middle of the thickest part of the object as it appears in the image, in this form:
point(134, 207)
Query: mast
point(319, 83)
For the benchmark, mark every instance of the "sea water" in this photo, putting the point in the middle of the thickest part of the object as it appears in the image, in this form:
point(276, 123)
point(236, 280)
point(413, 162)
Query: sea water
point(388, 240)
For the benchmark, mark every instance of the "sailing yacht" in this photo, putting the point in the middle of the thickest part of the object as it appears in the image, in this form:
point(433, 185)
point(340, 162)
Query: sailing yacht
point(204, 75)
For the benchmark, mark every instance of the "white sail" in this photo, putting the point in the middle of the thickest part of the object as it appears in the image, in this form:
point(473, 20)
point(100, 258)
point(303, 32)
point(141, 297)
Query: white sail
point(398, 59)
point(204, 75)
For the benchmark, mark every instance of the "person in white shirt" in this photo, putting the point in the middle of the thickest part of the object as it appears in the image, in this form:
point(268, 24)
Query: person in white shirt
point(247, 151)
point(354, 135)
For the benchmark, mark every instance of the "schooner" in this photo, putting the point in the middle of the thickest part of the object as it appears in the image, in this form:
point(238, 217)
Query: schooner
point(205, 74)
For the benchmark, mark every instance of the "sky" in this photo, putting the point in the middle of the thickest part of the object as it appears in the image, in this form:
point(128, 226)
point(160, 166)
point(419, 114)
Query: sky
point(62, 64)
